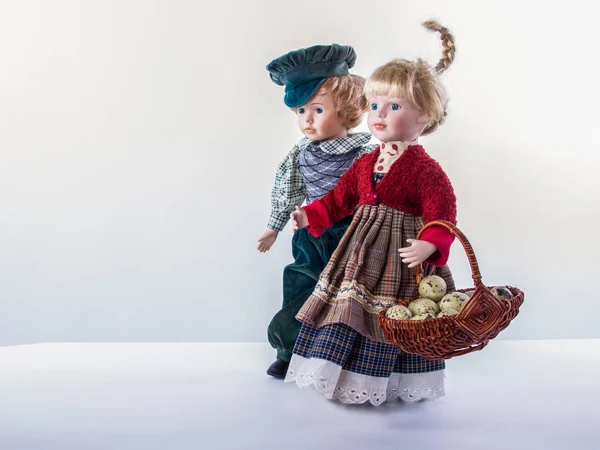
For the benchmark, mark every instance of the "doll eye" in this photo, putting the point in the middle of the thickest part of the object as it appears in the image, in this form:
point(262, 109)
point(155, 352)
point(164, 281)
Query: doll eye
point(319, 110)
point(301, 111)
point(374, 106)
point(395, 106)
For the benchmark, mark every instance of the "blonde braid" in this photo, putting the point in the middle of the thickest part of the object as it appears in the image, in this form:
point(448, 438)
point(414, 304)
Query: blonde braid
point(447, 43)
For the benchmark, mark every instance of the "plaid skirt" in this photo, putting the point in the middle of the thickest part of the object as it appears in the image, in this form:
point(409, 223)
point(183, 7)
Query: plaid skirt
point(350, 350)
point(342, 364)
point(366, 274)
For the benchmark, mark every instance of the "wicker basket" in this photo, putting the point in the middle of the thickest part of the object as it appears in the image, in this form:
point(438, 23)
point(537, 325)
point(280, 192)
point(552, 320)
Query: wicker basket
point(482, 318)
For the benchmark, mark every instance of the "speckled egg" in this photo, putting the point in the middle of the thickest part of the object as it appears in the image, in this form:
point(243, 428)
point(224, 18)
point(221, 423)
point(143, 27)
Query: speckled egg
point(448, 312)
point(501, 292)
point(423, 306)
point(423, 316)
point(432, 287)
point(398, 312)
point(454, 300)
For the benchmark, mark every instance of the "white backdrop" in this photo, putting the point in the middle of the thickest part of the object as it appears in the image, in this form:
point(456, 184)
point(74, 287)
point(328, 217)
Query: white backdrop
point(139, 141)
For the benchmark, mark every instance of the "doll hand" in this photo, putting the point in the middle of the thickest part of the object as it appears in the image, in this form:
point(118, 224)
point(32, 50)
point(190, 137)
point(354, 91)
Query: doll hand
point(266, 240)
point(418, 252)
point(299, 219)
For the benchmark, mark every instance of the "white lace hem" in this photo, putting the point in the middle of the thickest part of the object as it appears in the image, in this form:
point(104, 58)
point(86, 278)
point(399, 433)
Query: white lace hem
point(348, 387)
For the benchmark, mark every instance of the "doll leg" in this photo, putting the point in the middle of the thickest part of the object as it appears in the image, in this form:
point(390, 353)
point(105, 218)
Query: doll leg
point(311, 255)
point(283, 331)
point(299, 280)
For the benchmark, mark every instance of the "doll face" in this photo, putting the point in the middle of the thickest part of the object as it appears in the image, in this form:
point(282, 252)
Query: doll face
point(318, 119)
point(394, 119)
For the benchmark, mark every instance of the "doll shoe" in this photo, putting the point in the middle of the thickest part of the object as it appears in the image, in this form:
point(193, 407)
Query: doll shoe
point(278, 369)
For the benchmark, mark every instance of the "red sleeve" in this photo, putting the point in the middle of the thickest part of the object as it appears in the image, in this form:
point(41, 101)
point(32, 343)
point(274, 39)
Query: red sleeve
point(438, 203)
point(338, 203)
point(442, 239)
point(318, 218)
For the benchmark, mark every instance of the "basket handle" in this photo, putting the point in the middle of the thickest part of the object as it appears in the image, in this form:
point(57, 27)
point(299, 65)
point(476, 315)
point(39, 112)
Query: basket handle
point(465, 243)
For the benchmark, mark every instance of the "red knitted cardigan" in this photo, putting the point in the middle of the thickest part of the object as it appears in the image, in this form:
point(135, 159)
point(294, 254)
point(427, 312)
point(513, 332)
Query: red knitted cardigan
point(415, 184)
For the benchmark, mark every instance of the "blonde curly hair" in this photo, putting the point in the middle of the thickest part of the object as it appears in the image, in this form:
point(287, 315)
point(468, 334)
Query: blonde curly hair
point(417, 82)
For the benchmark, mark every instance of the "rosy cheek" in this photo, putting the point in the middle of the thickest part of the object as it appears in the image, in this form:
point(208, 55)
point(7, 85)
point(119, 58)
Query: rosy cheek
point(398, 122)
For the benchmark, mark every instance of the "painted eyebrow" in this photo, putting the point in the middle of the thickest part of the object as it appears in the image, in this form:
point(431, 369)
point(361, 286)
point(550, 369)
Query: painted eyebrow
point(316, 103)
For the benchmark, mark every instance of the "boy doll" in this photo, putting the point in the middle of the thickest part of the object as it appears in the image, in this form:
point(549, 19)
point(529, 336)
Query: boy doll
point(328, 102)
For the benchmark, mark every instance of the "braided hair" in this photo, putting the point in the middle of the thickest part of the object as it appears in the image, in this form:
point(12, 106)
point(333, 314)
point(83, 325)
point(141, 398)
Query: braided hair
point(447, 43)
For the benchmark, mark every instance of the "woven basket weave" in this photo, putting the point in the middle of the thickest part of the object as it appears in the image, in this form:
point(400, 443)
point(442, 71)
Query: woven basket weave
point(482, 318)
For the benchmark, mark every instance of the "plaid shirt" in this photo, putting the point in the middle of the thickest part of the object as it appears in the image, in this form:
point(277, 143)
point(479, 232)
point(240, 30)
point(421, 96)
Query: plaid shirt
point(289, 189)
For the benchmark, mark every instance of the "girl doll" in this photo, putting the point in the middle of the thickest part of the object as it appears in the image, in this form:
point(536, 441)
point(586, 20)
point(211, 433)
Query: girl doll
point(396, 188)
point(328, 102)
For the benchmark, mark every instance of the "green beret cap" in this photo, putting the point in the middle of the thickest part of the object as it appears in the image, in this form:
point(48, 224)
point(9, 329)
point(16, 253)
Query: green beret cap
point(303, 71)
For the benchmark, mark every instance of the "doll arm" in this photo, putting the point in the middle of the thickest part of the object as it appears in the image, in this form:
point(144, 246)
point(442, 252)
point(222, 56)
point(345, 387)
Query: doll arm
point(438, 203)
point(288, 191)
point(336, 204)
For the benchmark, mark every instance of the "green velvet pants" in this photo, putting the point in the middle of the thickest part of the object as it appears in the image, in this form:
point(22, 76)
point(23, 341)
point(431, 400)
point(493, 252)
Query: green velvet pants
point(311, 255)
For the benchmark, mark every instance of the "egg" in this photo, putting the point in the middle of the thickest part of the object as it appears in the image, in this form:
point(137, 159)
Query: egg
point(423, 306)
point(501, 292)
point(398, 312)
point(432, 287)
point(423, 316)
point(448, 312)
point(454, 300)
